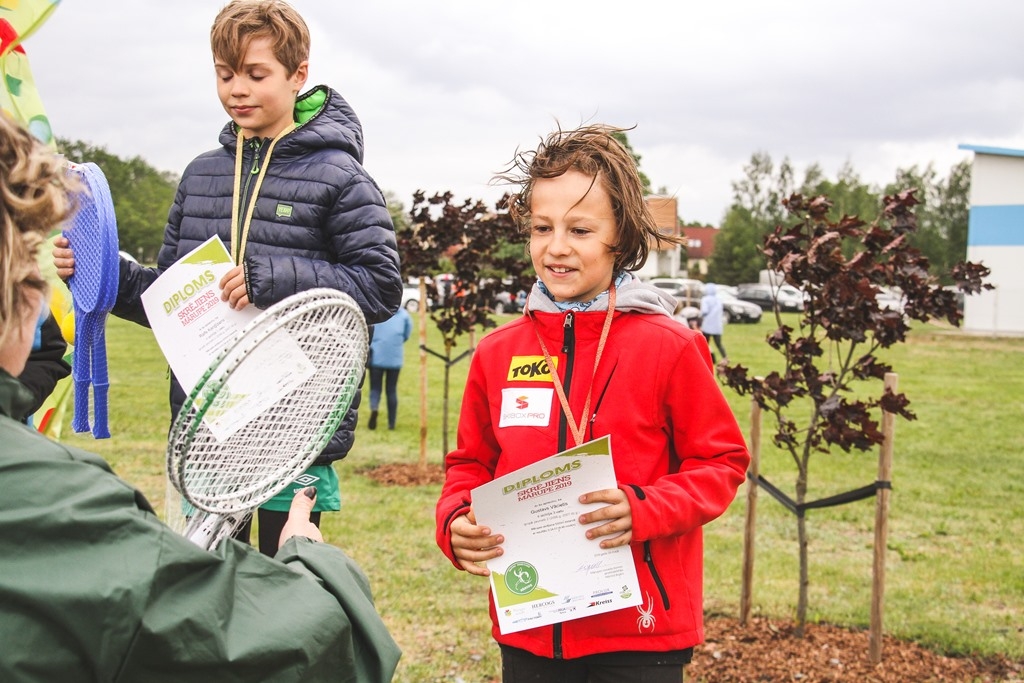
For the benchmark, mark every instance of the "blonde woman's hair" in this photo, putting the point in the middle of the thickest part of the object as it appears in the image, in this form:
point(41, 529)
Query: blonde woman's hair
point(593, 151)
point(240, 21)
point(35, 196)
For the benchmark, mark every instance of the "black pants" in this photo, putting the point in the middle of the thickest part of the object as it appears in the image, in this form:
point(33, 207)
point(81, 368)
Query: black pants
point(271, 523)
point(520, 666)
point(388, 377)
point(718, 342)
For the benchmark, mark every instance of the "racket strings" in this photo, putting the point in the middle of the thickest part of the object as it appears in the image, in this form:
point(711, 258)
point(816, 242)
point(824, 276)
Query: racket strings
point(228, 475)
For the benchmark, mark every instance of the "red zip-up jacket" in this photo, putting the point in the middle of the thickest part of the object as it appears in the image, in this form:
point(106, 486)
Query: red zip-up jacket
point(678, 452)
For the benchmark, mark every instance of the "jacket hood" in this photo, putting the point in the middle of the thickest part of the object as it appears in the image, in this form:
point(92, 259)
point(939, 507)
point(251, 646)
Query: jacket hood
point(323, 119)
point(632, 295)
point(710, 289)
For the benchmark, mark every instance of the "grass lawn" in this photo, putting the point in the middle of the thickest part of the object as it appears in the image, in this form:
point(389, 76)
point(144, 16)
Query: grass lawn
point(954, 568)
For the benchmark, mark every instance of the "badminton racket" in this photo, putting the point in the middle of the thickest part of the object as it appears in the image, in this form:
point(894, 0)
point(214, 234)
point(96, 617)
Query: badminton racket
point(265, 409)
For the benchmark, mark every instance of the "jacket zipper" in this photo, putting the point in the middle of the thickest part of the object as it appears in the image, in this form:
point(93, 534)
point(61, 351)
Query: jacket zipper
point(649, 559)
point(569, 349)
point(256, 145)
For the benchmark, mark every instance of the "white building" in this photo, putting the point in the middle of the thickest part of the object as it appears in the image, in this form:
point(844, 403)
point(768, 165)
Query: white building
point(995, 238)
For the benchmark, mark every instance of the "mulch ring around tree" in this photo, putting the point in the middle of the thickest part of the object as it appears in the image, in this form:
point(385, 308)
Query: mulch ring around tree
point(767, 650)
point(405, 474)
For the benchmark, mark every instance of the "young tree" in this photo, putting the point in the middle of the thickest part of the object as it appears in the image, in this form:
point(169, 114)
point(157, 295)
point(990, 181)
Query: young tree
point(831, 371)
point(464, 255)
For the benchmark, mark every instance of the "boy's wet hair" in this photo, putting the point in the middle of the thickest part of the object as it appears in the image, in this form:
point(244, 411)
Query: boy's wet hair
point(36, 196)
point(243, 20)
point(593, 151)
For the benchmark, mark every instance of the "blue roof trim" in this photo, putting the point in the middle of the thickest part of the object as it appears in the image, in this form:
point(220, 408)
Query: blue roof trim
point(996, 226)
point(998, 151)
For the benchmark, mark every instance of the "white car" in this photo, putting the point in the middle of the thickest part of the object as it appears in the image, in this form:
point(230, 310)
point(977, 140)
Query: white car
point(411, 298)
point(683, 289)
point(737, 310)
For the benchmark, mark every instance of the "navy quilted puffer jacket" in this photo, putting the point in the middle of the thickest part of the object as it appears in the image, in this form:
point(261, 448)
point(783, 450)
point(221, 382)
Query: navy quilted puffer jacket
point(319, 221)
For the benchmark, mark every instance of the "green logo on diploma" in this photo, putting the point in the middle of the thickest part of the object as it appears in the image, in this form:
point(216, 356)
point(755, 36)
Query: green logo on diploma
point(521, 578)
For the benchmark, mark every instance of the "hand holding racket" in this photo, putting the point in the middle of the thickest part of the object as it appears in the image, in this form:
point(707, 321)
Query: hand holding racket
point(266, 408)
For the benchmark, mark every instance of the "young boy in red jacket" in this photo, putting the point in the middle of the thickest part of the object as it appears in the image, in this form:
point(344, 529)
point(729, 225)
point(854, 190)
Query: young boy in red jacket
point(623, 367)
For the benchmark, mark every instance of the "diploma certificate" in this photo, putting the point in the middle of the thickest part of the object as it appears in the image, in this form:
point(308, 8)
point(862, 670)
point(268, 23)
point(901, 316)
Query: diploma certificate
point(549, 571)
point(193, 327)
point(191, 324)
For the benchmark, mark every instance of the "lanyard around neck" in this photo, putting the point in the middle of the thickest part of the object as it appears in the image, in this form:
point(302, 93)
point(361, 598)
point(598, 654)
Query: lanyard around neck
point(236, 195)
point(578, 429)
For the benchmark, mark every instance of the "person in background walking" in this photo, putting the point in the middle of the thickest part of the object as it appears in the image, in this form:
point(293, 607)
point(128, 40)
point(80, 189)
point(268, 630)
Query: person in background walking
point(386, 356)
point(712, 318)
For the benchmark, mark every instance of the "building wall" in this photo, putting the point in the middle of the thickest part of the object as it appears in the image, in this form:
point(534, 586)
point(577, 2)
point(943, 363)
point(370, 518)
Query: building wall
point(665, 261)
point(996, 239)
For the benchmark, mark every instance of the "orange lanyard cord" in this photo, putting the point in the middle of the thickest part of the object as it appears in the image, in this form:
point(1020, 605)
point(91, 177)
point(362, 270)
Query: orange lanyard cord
point(578, 429)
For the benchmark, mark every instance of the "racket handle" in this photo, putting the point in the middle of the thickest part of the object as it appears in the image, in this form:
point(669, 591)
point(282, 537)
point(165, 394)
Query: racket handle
point(80, 420)
point(100, 381)
point(100, 428)
point(202, 529)
point(81, 371)
point(206, 529)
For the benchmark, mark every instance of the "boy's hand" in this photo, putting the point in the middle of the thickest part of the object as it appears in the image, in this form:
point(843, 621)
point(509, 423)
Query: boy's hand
point(472, 544)
point(232, 288)
point(63, 258)
point(617, 511)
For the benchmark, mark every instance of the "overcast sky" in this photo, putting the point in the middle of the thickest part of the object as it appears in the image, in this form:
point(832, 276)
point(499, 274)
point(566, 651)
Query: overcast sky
point(448, 90)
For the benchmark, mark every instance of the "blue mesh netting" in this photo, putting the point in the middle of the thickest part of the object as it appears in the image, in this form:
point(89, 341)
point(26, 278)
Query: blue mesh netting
point(92, 235)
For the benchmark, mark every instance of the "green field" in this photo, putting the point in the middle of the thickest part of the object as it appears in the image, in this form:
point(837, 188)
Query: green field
point(955, 562)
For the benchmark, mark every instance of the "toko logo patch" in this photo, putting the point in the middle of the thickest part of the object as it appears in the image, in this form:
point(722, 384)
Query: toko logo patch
point(530, 369)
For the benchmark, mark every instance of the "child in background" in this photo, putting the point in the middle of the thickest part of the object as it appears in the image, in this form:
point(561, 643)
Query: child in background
point(287, 194)
point(623, 367)
point(387, 355)
point(712, 318)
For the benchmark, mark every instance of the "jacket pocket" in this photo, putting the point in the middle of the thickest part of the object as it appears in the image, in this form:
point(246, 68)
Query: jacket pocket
point(653, 569)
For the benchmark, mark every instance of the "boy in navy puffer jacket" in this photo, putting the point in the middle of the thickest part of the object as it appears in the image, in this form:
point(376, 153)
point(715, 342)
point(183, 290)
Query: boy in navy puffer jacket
point(287, 194)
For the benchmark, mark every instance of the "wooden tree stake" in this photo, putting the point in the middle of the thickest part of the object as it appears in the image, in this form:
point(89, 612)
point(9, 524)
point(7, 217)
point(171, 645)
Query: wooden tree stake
point(881, 526)
point(747, 588)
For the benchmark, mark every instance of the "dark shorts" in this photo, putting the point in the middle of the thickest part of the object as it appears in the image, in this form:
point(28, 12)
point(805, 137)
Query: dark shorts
point(520, 666)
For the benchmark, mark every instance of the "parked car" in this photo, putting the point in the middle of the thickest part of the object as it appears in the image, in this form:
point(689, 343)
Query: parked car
point(505, 302)
point(411, 298)
point(737, 310)
point(789, 298)
point(684, 289)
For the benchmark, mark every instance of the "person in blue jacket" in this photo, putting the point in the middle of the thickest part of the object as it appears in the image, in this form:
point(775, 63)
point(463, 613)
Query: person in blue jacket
point(712, 315)
point(287, 194)
point(387, 354)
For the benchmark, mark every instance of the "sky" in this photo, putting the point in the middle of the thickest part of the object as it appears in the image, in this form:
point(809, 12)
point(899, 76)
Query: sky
point(449, 91)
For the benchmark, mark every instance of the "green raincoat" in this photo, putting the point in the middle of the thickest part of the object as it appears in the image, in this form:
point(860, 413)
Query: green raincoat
point(93, 587)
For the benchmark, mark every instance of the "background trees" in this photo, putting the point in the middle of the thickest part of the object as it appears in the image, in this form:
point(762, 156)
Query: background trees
point(757, 208)
point(142, 196)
